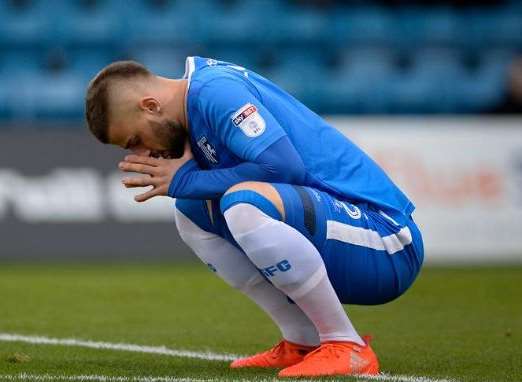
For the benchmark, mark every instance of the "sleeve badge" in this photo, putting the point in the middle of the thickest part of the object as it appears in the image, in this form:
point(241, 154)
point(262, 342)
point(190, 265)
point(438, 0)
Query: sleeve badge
point(248, 119)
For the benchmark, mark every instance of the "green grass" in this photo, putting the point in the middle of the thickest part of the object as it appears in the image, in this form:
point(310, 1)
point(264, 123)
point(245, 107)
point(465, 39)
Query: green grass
point(461, 323)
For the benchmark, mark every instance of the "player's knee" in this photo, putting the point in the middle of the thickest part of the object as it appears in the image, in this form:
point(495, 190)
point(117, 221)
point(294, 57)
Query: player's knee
point(248, 185)
point(186, 229)
point(246, 209)
point(191, 219)
point(262, 195)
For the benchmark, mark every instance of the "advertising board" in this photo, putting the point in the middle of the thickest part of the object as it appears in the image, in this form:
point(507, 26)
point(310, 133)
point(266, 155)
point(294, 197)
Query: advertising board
point(61, 194)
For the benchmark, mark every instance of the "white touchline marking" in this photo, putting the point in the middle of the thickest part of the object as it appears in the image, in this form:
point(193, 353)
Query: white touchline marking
point(404, 378)
point(92, 378)
point(207, 356)
point(107, 378)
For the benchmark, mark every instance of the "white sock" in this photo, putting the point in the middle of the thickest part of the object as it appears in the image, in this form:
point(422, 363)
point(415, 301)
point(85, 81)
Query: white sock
point(293, 265)
point(235, 268)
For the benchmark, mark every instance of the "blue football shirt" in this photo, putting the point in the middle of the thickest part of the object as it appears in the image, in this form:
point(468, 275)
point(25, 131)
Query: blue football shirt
point(235, 114)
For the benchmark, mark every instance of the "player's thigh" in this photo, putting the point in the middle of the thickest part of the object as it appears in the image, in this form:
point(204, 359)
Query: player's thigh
point(349, 238)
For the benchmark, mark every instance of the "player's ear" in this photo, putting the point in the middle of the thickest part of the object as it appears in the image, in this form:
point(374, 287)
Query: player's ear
point(150, 105)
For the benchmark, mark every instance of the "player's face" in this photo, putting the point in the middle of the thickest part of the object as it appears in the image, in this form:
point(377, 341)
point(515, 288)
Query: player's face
point(158, 137)
point(170, 135)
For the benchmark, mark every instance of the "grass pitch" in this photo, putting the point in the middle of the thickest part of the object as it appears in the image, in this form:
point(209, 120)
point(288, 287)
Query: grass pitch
point(459, 323)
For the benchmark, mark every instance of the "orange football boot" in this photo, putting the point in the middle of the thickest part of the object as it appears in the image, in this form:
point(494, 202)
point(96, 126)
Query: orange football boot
point(284, 354)
point(336, 358)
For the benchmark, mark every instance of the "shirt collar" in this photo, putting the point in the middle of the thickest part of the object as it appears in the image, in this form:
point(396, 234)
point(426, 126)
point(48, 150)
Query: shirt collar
point(189, 69)
point(190, 66)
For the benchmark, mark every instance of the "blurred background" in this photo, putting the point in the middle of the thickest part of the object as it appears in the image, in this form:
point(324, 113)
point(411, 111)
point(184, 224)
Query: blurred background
point(431, 89)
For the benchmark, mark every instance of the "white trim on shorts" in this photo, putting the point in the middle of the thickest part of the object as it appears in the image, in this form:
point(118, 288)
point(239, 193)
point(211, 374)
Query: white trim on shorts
point(368, 238)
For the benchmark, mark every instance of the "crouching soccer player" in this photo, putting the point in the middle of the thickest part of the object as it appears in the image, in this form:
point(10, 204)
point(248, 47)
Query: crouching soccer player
point(277, 202)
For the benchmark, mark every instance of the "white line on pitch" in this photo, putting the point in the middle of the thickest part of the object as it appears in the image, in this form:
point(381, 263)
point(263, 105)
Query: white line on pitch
point(208, 356)
point(107, 378)
point(162, 350)
point(404, 378)
point(92, 378)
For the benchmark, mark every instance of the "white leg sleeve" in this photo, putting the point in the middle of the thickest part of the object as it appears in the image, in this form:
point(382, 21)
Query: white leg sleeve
point(293, 265)
point(235, 268)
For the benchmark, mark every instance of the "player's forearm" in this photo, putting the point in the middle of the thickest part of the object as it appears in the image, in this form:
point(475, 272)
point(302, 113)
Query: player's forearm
point(192, 183)
point(279, 163)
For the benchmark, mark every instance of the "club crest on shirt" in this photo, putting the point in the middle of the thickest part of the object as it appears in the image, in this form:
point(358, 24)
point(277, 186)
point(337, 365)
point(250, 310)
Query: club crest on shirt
point(208, 150)
point(248, 119)
point(352, 210)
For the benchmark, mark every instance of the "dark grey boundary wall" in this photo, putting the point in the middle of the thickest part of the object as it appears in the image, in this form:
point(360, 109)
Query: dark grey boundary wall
point(34, 153)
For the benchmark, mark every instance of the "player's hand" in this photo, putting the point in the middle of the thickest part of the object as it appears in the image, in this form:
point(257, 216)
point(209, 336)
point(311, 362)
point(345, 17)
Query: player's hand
point(157, 172)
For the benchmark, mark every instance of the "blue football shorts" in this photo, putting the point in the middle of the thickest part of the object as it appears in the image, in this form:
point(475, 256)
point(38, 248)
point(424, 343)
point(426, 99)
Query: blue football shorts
point(371, 256)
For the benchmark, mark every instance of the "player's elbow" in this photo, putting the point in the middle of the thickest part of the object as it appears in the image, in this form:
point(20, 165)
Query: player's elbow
point(284, 172)
point(287, 168)
point(293, 173)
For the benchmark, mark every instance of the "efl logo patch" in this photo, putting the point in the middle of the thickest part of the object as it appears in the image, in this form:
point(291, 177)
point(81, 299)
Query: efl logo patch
point(249, 121)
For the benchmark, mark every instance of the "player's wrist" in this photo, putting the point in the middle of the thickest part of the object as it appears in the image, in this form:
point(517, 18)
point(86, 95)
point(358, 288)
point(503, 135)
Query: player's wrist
point(180, 178)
